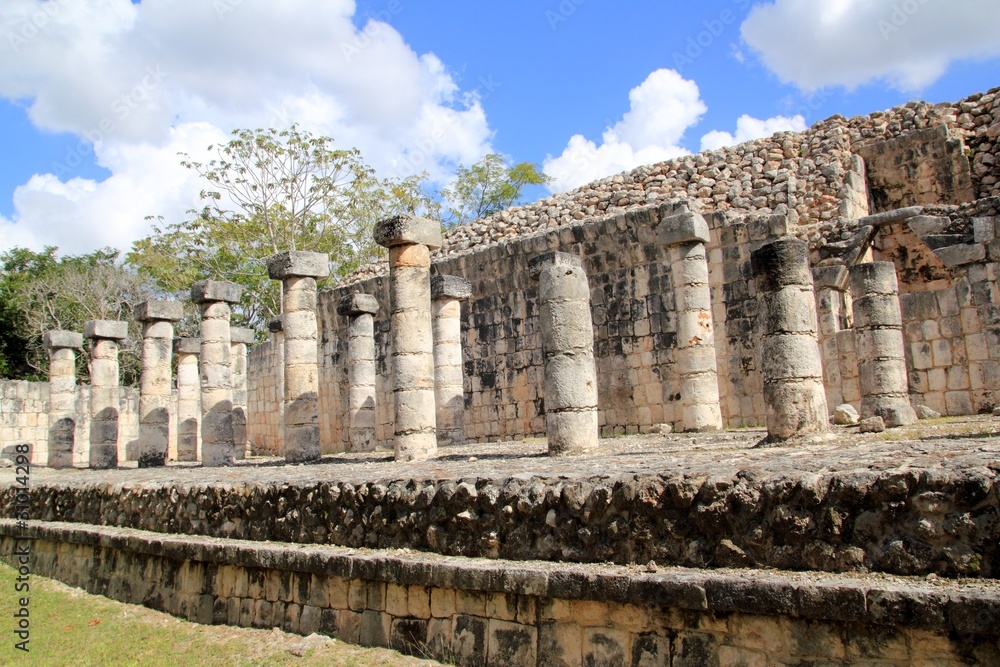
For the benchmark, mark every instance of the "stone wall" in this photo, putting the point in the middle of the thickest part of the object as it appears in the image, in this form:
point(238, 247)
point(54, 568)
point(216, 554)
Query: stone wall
point(265, 394)
point(501, 613)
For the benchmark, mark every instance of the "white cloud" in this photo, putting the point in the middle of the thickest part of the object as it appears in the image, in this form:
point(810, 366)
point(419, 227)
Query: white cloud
point(908, 43)
point(749, 128)
point(144, 82)
point(661, 109)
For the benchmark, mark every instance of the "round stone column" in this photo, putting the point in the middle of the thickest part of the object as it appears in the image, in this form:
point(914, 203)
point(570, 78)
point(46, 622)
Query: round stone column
point(878, 329)
point(410, 241)
point(62, 347)
point(568, 345)
point(188, 398)
point(360, 309)
point(240, 339)
point(685, 235)
point(157, 318)
point(447, 294)
point(105, 391)
point(215, 299)
point(790, 355)
point(298, 272)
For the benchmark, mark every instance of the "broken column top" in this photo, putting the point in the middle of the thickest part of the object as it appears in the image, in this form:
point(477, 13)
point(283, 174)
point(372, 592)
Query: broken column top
point(187, 346)
point(552, 258)
point(162, 311)
point(275, 325)
point(450, 287)
point(830, 277)
point(780, 264)
point(215, 290)
point(685, 227)
point(105, 329)
point(298, 264)
point(242, 335)
point(62, 340)
point(357, 304)
point(408, 230)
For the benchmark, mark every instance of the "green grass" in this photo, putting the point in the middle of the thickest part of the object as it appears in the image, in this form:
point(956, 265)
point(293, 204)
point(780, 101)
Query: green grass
point(72, 628)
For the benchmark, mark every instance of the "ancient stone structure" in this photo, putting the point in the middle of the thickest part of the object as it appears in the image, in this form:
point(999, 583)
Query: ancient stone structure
point(188, 398)
point(830, 283)
point(62, 347)
point(409, 241)
point(215, 299)
point(360, 309)
point(298, 272)
point(568, 345)
point(686, 234)
point(105, 399)
point(240, 338)
point(447, 294)
point(878, 325)
point(157, 318)
point(790, 356)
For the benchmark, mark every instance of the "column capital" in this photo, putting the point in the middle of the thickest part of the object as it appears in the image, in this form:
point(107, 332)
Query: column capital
point(62, 340)
point(242, 335)
point(187, 346)
point(450, 287)
point(205, 291)
point(408, 230)
point(684, 227)
point(159, 311)
point(298, 264)
point(105, 330)
point(830, 277)
point(552, 258)
point(357, 304)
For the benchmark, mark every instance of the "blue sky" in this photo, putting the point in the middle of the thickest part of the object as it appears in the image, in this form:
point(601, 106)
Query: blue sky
point(97, 97)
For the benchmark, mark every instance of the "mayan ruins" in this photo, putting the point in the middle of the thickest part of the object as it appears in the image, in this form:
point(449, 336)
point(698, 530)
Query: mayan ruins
point(735, 408)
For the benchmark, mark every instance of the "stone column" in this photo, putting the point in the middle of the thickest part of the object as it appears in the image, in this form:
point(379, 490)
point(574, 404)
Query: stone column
point(215, 299)
point(830, 283)
point(361, 310)
point(157, 318)
point(686, 234)
point(568, 345)
point(105, 392)
point(878, 326)
point(240, 339)
point(298, 272)
point(62, 347)
point(278, 342)
point(410, 241)
point(188, 398)
point(791, 366)
point(447, 294)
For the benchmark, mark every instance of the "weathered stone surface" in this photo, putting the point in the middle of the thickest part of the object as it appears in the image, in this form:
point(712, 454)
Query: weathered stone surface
point(298, 263)
point(62, 339)
point(357, 304)
point(242, 336)
point(959, 255)
point(167, 311)
point(895, 416)
point(187, 346)
point(924, 412)
point(846, 415)
point(830, 277)
point(871, 425)
point(559, 259)
point(686, 227)
point(450, 287)
point(887, 217)
point(449, 386)
point(215, 290)
point(105, 329)
point(405, 230)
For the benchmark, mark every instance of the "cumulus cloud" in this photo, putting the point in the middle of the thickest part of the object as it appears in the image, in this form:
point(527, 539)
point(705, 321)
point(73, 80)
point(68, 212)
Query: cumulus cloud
point(140, 83)
point(661, 109)
point(908, 43)
point(749, 128)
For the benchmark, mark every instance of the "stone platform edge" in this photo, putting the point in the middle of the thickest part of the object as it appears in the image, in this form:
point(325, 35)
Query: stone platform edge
point(944, 606)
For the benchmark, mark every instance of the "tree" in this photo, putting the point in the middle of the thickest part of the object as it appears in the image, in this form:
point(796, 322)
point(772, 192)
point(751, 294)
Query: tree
point(487, 187)
point(271, 192)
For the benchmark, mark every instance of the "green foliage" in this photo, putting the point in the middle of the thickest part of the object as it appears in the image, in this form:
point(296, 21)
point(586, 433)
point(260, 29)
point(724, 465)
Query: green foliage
point(271, 192)
point(487, 187)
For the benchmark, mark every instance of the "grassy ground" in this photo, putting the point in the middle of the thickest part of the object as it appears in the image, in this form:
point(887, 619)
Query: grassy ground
point(72, 628)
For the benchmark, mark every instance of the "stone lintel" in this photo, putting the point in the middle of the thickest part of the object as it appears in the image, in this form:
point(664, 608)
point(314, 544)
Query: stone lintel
point(681, 228)
point(159, 311)
point(450, 287)
point(275, 325)
point(552, 258)
point(357, 304)
point(187, 346)
point(889, 217)
point(105, 329)
point(408, 230)
point(215, 290)
point(242, 335)
point(62, 340)
point(830, 277)
point(298, 264)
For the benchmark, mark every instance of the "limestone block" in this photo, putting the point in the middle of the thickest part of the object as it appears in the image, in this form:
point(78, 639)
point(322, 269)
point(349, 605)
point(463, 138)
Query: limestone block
point(830, 277)
point(789, 310)
point(187, 346)
point(959, 255)
point(242, 336)
point(871, 425)
point(570, 382)
point(555, 259)
point(215, 290)
point(571, 433)
point(874, 278)
point(62, 340)
point(298, 264)
point(357, 304)
point(781, 264)
point(790, 356)
point(450, 287)
point(566, 324)
point(105, 329)
point(846, 415)
point(924, 412)
point(407, 230)
point(877, 310)
point(166, 311)
point(685, 227)
point(795, 408)
point(895, 416)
